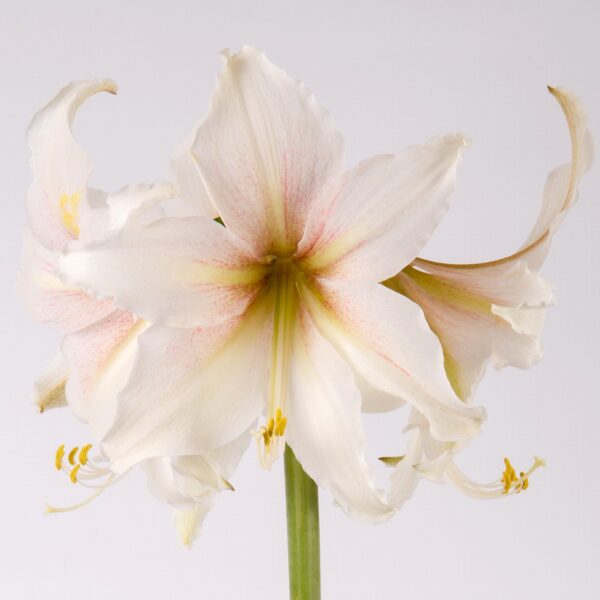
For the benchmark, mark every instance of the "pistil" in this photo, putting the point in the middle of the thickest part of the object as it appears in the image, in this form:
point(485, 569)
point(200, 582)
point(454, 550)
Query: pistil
point(270, 437)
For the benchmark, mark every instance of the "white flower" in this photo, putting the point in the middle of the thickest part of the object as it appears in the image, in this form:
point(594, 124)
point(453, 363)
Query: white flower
point(494, 310)
point(101, 340)
point(280, 312)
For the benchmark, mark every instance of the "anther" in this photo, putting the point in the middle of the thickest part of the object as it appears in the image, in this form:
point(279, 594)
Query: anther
point(72, 455)
point(60, 453)
point(73, 473)
point(83, 454)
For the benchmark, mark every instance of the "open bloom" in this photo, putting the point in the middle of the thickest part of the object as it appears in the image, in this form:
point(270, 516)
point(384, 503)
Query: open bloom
point(280, 312)
point(101, 339)
point(493, 310)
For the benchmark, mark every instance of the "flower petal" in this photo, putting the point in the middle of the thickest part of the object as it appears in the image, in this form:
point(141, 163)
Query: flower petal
point(266, 151)
point(49, 388)
point(390, 346)
point(324, 425)
point(186, 175)
point(461, 309)
point(47, 298)
point(189, 522)
point(60, 167)
point(384, 213)
point(140, 204)
point(181, 398)
point(101, 357)
point(495, 310)
point(405, 477)
point(189, 514)
point(182, 272)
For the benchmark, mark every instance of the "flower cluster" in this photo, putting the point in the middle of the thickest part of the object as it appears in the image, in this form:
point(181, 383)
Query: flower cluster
point(265, 295)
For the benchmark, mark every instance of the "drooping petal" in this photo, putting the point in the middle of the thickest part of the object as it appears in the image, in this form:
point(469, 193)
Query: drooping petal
point(495, 310)
point(266, 151)
point(180, 272)
point(560, 191)
point(60, 167)
point(49, 387)
point(192, 390)
point(470, 325)
point(189, 514)
point(324, 425)
point(101, 357)
point(189, 522)
point(390, 346)
point(47, 298)
point(384, 213)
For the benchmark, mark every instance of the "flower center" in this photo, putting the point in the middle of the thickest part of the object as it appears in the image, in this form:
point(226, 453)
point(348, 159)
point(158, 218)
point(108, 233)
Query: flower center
point(284, 279)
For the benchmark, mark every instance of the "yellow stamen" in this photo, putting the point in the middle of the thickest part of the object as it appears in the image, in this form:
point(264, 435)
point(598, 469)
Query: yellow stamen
point(69, 206)
point(508, 476)
point(72, 455)
point(510, 481)
point(60, 452)
point(73, 473)
point(83, 454)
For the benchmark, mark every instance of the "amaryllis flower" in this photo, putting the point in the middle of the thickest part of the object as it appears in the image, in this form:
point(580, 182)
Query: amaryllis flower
point(101, 339)
point(493, 311)
point(278, 311)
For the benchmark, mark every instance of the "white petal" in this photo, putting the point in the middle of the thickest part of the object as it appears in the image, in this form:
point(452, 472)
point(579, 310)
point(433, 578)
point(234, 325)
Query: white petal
point(324, 425)
point(60, 167)
point(495, 310)
point(405, 477)
point(560, 192)
point(101, 357)
point(161, 483)
point(47, 298)
point(49, 387)
point(140, 204)
point(192, 390)
point(186, 480)
point(189, 522)
point(266, 151)
point(384, 213)
point(460, 307)
point(186, 176)
point(390, 346)
point(179, 272)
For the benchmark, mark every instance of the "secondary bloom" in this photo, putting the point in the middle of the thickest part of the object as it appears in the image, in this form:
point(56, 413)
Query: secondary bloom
point(280, 312)
point(101, 339)
point(493, 310)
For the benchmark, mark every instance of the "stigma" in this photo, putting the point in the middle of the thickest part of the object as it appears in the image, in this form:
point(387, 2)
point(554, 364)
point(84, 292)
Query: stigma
point(283, 289)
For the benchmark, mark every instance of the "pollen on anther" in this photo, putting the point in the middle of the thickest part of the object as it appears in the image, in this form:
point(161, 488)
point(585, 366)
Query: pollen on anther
point(509, 476)
point(83, 454)
point(60, 453)
point(72, 454)
point(73, 473)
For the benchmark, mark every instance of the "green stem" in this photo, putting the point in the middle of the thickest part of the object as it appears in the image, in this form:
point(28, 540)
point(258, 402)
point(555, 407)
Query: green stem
point(303, 531)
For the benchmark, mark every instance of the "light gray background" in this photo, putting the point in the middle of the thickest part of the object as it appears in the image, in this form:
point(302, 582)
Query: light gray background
point(392, 74)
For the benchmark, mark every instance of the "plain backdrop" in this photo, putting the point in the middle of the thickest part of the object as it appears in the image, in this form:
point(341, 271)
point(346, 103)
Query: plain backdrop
point(392, 73)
